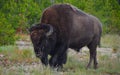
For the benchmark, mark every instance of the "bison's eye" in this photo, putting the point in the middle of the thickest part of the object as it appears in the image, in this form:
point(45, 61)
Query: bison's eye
point(34, 34)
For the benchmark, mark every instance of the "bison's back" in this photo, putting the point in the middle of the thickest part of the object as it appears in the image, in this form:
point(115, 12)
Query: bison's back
point(84, 29)
point(72, 25)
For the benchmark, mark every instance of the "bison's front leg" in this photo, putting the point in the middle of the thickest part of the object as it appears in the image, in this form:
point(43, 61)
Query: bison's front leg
point(44, 60)
point(60, 56)
point(58, 61)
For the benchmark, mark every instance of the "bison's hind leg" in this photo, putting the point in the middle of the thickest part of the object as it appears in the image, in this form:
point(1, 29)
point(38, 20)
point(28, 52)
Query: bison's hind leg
point(92, 49)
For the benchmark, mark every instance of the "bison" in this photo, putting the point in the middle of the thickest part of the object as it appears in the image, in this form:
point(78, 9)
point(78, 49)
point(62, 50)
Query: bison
point(64, 26)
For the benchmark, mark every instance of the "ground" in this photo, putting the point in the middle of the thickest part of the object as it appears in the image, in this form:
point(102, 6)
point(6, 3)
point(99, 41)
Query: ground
point(20, 59)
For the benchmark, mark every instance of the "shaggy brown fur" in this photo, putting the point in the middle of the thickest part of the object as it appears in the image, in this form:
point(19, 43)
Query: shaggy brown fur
point(72, 28)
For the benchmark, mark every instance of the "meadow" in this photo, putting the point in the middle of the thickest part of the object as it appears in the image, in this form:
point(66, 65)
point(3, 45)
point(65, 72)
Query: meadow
point(14, 61)
point(16, 16)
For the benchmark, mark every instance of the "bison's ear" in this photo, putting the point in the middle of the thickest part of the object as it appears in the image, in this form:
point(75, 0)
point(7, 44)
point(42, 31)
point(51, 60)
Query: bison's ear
point(34, 27)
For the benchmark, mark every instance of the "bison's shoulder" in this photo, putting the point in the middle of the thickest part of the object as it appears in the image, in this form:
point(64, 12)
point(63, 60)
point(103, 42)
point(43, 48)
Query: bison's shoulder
point(78, 11)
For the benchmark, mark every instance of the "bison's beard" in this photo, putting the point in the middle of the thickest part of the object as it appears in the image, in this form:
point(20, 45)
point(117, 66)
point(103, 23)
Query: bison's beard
point(43, 56)
point(44, 60)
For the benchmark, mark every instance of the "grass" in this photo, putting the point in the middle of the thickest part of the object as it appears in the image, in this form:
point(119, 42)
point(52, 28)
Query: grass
point(23, 62)
point(24, 37)
point(11, 55)
point(20, 62)
point(112, 41)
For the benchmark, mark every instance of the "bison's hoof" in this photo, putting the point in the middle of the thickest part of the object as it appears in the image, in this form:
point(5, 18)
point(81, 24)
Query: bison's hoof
point(88, 67)
point(95, 67)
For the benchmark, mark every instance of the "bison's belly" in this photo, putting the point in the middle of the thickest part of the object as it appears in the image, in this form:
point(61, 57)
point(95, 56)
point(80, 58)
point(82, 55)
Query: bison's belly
point(79, 43)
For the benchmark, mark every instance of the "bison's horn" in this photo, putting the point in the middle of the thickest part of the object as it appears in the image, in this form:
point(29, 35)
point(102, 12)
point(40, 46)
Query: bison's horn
point(50, 31)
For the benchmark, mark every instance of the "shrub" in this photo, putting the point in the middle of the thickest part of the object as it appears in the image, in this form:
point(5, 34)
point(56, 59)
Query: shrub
point(6, 31)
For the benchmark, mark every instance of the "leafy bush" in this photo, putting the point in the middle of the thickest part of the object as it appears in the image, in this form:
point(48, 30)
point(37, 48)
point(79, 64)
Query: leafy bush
point(7, 32)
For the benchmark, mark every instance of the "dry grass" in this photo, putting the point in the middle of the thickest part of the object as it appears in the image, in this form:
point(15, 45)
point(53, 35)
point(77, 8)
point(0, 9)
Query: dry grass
point(112, 41)
point(23, 62)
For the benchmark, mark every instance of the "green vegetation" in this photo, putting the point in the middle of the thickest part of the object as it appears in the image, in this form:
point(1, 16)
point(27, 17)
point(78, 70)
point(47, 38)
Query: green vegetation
point(18, 15)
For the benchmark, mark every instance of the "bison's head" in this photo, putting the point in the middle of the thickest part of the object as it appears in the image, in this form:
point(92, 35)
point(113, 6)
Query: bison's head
point(43, 39)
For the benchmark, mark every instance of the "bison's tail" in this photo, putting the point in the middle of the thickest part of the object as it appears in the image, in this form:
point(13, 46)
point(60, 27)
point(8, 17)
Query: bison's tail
point(100, 35)
point(99, 44)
